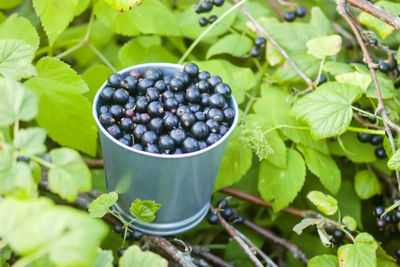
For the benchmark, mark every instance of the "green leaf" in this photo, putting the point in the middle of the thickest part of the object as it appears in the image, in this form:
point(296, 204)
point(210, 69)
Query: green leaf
point(324, 202)
point(30, 141)
point(336, 68)
point(305, 223)
point(236, 161)
point(274, 106)
point(123, 5)
point(273, 55)
point(320, 22)
point(362, 253)
point(15, 177)
point(273, 182)
point(7, 4)
point(355, 78)
point(99, 207)
point(5, 255)
point(229, 45)
point(323, 261)
point(20, 28)
point(145, 19)
point(134, 257)
point(354, 150)
point(70, 175)
point(366, 184)
point(15, 59)
point(381, 27)
point(239, 79)
point(394, 161)
point(308, 64)
point(144, 49)
point(40, 230)
point(328, 109)
point(62, 108)
point(144, 210)
point(277, 155)
point(385, 84)
point(348, 201)
point(16, 102)
point(104, 258)
point(94, 77)
point(55, 15)
point(324, 167)
point(350, 223)
point(323, 46)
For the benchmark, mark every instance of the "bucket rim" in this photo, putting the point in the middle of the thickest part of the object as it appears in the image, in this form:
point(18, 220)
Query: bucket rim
point(177, 67)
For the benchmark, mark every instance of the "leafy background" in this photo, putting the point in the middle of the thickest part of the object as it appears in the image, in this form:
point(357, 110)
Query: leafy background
point(55, 54)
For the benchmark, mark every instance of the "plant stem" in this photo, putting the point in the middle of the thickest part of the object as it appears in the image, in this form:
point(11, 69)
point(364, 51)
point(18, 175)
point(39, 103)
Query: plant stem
point(42, 162)
point(102, 57)
point(365, 130)
point(16, 128)
point(287, 126)
point(204, 33)
point(369, 114)
point(70, 50)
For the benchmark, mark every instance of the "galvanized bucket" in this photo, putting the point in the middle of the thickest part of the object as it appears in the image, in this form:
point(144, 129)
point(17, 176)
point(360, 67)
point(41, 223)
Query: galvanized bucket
point(183, 184)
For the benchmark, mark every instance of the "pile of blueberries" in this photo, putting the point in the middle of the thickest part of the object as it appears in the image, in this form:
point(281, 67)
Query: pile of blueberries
point(159, 113)
point(226, 212)
point(290, 16)
point(205, 6)
point(375, 140)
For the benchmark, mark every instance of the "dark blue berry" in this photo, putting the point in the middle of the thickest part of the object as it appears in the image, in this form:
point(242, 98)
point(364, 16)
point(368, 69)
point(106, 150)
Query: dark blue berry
point(190, 145)
point(152, 148)
point(144, 84)
point(176, 85)
point(380, 223)
point(222, 203)
point(152, 74)
point(215, 114)
point(144, 118)
point(118, 228)
point(116, 111)
point(156, 125)
point(228, 214)
point(223, 89)
point(203, 86)
point(130, 105)
point(212, 19)
point(121, 252)
point(167, 94)
point(104, 109)
point(23, 159)
point(141, 104)
point(338, 234)
point(151, 94)
point(213, 126)
point(376, 140)
point(126, 124)
point(199, 130)
point(203, 75)
point(364, 137)
point(214, 80)
point(107, 93)
point(138, 147)
point(216, 101)
point(124, 141)
point(202, 144)
point(187, 120)
point(212, 219)
point(239, 219)
point(120, 96)
point(183, 76)
point(139, 131)
point(289, 16)
point(166, 144)
point(255, 51)
point(191, 69)
point(161, 86)
point(180, 97)
point(380, 153)
point(114, 80)
point(223, 129)
point(204, 99)
point(114, 131)
point(260, 41)
point(206, 6)
point(137, 74)
point(200, 116)
point(193, 95)
point(229, 114)
point(178, 151)
point(106, 119)
point(218, 2)
point(182, 110)
point(373, 41)
point(171, 104)
point(137, 235)
point(212, 139)
point(128, 136)
point(155, 108)
point(383, 66)
point(130, 84)
point(301, 11)
point(149, 138)
point(171, 122)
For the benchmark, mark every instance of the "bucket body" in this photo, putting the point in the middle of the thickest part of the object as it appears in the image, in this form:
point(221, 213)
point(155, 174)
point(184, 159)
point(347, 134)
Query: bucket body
point(182, 184)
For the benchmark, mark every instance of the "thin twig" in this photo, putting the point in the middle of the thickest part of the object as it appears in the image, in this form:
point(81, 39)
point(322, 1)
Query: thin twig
point(231, 231)
point(277, 9)
point(166, 246)
point(366, 123)
point(295, 250)
point(376, 11)
point(341, 7)
point(267, 259)
point(209, 257)
point(345, 33)
point(249, 198)
point(388, 180)
point(277, 46)
point(95, 164)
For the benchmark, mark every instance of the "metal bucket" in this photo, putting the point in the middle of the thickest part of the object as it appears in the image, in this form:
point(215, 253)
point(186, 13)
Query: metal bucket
point(183, 184)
